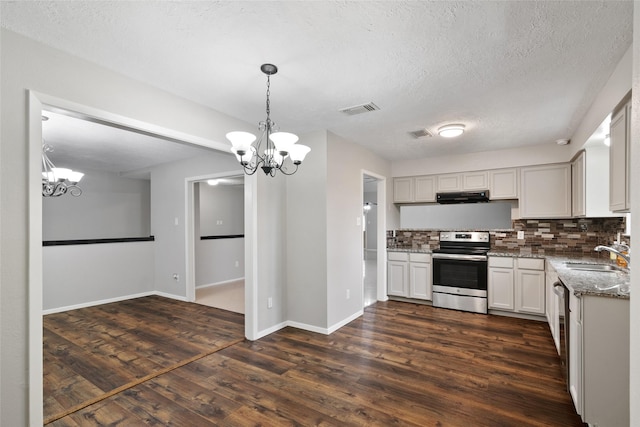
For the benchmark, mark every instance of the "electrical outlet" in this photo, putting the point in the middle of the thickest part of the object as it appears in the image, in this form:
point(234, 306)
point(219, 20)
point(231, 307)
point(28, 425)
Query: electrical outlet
point(348, 293)
point(358, 221)
point(176, 277)
point(520, 235)
point(237, 263)
point(269, 302)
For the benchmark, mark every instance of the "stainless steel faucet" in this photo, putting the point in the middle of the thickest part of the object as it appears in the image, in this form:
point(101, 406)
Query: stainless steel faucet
point(601, 248)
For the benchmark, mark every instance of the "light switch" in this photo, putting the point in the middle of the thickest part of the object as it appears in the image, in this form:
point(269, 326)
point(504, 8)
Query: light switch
point(520, 235)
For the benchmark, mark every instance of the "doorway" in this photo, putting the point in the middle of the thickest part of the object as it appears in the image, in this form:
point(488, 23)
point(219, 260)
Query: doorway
point(369, 239)
point(217, 212)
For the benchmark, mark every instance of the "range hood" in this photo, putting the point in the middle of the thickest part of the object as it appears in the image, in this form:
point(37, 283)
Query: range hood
point(463, 197)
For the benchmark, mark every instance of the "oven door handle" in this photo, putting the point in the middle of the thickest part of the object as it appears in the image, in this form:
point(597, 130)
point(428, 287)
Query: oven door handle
point(460, 257)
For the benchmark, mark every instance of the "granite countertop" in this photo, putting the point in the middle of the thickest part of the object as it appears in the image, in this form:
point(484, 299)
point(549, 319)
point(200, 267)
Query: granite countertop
point(584, 282)
point(414, 250)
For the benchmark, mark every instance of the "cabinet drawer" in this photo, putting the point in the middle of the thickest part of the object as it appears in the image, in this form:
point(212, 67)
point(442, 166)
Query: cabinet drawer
point(531, 263)
point(419, 257)
point(506, 262)
point(398, 256)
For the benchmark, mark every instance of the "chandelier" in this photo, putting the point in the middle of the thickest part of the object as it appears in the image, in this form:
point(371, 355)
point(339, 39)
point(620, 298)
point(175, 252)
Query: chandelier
point(58, 181)
point(272, 148)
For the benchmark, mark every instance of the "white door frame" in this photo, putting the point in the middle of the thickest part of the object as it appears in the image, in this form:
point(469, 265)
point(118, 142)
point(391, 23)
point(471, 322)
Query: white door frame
point(381, 232)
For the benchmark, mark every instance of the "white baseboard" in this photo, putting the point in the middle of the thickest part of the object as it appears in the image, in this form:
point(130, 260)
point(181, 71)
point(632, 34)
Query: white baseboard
point(271, 330)
point(340, 324)
point(209, 285)
point(310, 328)
point(110, 300)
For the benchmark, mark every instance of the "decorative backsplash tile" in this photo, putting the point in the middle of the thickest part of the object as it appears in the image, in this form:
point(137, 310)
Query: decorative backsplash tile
point(572, 237)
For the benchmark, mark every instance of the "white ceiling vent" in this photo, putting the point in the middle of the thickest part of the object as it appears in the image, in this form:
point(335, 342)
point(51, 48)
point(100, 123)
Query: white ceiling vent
point(421, 133)
point(359, 109)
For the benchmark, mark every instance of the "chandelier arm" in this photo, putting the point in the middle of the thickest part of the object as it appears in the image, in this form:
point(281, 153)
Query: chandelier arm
point(284, 171)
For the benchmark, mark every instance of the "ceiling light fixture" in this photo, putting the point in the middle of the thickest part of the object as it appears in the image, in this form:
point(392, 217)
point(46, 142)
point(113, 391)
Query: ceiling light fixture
point(562, 141)
point(277, 145)
point(451, 131)
point(58, 181)
point(607, 140)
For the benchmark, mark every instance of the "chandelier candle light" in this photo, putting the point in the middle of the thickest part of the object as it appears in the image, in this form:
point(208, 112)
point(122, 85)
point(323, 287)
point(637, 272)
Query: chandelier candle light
point(58, 181)
point(277, 145)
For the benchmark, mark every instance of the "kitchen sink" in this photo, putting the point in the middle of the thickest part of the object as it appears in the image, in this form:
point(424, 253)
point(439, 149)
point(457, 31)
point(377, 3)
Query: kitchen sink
point(604, 268)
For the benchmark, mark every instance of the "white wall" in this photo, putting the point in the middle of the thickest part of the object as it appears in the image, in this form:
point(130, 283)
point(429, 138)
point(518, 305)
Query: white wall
point(371, 217)
point(109, 207)
point(28, 65)
point(216, 261)
point(307, 236)
point(82, 275)
point(168, 195)
point(345, 164)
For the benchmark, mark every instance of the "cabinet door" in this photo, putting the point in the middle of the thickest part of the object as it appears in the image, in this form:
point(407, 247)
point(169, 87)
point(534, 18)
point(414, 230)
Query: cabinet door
point(503, 184)
point(575, 352)
point(501, 288)
point(552, 307)
point(578, 189)
point(545, 191)
point(420, 280)
point(618, 161)
point(425, 187)
point(530, 291)
point(403, 190)
point(397, 278)
point(475, 181)
point(449, 182)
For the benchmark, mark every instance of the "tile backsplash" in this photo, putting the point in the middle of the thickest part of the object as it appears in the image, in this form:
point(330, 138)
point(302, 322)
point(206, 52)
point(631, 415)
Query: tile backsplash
point(573, 237)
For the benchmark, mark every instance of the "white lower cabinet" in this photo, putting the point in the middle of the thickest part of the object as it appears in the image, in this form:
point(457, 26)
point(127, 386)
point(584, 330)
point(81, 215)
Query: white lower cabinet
point(517, 285)
point(599, 359)
point(409, 275)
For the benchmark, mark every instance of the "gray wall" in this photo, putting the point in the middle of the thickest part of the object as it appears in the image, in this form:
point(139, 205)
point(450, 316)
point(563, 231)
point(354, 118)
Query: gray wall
point(219, 211)
point(109, 207)
point(471, 216)
point(168, 198)
point(80, 275)
point(371, 218)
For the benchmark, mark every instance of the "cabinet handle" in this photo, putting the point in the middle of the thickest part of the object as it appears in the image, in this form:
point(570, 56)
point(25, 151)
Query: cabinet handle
point(558, 288)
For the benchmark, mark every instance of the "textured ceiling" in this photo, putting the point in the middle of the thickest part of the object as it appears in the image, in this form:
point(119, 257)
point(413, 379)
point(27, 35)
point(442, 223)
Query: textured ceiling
point(516, 73)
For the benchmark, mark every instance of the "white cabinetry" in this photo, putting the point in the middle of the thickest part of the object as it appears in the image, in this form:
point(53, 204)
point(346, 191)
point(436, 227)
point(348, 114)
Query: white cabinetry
point(545, 191)
point(449, 182)
point(425, 189)
point(409, 275)
point(472, 181)
point(516, 285)
point(403, 190)
point(419, 189)
point(552, 305)
point(503, 184)
point(501, 284)
point(530, 286)
point(578, 188)
point(599, 359)
point(619, 158)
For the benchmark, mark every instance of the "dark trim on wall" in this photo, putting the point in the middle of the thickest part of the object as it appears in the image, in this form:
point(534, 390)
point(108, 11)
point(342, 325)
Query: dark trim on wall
point(226, 236)
point(96, 241)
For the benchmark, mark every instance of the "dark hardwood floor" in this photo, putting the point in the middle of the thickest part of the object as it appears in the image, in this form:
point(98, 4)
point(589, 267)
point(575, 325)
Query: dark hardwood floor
point(399, 364)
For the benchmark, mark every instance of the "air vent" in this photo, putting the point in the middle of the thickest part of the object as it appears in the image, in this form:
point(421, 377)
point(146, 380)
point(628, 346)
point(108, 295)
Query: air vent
point(421, 133)
point(359, 109)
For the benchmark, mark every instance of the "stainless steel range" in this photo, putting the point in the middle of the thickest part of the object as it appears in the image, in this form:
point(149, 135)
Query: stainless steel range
point(460, 271)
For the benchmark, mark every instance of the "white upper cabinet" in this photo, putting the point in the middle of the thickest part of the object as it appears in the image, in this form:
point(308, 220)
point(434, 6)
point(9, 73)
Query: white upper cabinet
point(619, 170)
point(449, 182)
point(578, 188)
point(545, 191)
point(503, 184)
point(425, 189)
point(475, 181)
point(403, 190)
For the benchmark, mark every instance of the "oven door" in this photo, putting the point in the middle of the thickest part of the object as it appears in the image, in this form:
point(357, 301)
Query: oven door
point(460, 274)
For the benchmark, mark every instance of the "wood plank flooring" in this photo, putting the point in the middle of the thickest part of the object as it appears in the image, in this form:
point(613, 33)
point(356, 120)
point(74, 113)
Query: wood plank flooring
point(399, 364)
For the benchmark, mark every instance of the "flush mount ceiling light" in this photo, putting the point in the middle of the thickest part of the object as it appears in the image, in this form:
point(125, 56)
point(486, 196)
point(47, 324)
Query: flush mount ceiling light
point(57, 181)
point(277, 145)
point(562, 141)
point(451, 131)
